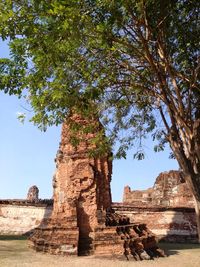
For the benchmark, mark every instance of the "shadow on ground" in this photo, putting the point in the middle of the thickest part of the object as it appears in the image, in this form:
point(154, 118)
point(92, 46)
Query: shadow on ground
point(174, 248)
point(12, 237)
point(169, 248)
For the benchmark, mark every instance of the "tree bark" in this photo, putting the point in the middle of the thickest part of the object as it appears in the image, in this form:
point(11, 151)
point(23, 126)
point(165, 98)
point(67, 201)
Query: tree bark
point(194, 185)
point(197, 211)
point(192, 177)
point(193, 182)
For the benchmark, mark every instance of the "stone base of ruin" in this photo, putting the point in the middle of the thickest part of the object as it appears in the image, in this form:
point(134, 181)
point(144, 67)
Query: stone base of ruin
point(56, 238)
point(104, 241)
point(134, 241)
point(107, 242)
point(60, 240)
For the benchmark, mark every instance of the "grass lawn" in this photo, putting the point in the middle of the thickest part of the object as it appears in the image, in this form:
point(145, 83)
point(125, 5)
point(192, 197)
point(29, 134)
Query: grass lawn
point(15, 253)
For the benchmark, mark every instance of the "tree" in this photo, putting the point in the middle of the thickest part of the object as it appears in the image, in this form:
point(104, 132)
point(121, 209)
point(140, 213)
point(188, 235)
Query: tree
point(135, 63)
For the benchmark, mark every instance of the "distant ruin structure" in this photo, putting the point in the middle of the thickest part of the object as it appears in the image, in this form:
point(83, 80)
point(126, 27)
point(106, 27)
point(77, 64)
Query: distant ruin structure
point(168, 206)
point(33, 194)
point(169, 190)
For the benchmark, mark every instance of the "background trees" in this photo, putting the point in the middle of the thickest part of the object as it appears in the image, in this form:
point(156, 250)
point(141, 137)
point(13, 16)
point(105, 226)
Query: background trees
point(133, 63)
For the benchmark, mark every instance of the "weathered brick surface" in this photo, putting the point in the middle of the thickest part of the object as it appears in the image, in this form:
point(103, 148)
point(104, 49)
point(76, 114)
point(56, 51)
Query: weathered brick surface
point(107, 242)
point(33, 193)
point(169, 190)
point(168, 207)
point(169, 224)
point(81, 188)
point(172, 224)
point(21, 219)
point(79, 224)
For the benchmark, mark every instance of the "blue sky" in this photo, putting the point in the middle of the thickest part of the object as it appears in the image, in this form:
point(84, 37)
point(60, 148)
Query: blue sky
point(27, 156)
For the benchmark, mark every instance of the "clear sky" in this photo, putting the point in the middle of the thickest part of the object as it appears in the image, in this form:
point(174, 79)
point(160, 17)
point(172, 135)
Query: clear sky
point(27, 156)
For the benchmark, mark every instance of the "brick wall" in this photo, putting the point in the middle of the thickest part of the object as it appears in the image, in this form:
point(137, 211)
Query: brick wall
point(169, 224)
point(19, 217)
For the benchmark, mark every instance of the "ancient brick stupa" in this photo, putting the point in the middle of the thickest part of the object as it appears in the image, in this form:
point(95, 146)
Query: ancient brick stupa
point(81, 192)
point(33, 194)
point(82, 221)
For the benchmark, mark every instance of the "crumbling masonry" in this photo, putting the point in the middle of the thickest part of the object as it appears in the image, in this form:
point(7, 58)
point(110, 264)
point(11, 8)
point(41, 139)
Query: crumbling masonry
point(82, 221)
point(169, 190)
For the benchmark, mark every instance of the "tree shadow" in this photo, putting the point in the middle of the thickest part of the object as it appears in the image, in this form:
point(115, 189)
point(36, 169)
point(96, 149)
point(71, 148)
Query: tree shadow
point(45, 204)
point(85, 229)
point(12, 237)
point(175, 248)
point(181, 233)
point(44, 221)
point(182, 228)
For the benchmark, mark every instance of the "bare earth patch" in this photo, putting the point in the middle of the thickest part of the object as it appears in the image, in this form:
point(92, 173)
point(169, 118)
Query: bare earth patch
point(15, 253)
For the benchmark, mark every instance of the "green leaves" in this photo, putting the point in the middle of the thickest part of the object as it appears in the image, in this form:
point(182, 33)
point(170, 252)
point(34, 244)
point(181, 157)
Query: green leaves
point(139, 155)
point(21, 117)
point(123, 61)
point(11, 77)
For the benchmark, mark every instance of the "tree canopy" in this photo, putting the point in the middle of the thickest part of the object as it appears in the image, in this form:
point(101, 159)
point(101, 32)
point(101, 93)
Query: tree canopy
point(133, 63)
point(137, 60)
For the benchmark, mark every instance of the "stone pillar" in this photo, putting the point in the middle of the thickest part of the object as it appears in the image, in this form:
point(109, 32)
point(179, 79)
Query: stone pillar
point(81, 188)
point(33, 194)
point(81, 181)
point(126, 194)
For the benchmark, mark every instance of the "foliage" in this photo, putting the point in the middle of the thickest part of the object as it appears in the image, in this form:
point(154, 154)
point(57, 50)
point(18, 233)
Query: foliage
point(132, 63)
point(135, 63)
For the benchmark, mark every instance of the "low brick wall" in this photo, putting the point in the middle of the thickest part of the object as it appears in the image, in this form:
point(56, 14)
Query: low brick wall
point(20, 217)
point(172, 224)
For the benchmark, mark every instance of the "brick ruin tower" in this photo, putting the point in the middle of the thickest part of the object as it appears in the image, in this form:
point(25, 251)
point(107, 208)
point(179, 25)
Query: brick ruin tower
point(33, 194)
point(82, 221)
point(81, 192)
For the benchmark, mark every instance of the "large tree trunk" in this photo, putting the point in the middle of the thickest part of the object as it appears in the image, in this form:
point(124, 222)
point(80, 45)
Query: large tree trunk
point(197, 210)
point(191, 173)
point(194, 185)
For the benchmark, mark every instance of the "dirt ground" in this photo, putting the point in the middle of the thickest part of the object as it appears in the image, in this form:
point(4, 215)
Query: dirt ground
point(15, 253)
